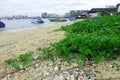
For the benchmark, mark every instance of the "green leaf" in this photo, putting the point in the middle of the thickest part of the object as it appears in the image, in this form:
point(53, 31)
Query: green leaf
point(81, 56)
point(51, 56)
point(66, 59)
point(26, 56)
point(9, 61)
point(100, 58)
point(26, 63)
point(88, 51)
point(16, 65)
point(80, 64)
point(58, 53)
point(113, 40)
point(114, 55)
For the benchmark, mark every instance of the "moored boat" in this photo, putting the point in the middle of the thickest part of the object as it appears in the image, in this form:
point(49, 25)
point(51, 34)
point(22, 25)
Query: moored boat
point(2, 24)
point(9, 18)
point(72, 19)
point(58, 19)
point(37, 21)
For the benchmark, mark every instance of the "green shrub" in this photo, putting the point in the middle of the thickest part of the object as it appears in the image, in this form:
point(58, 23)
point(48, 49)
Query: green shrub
point(97, 39)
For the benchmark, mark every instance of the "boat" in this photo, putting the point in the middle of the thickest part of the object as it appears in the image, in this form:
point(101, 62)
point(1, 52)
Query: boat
point(72, 19)
point(9, 18)
point(37, 21)
point(58, 19)
point(2, 25)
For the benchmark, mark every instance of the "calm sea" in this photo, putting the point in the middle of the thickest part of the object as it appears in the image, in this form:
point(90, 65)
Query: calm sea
point(23, 24)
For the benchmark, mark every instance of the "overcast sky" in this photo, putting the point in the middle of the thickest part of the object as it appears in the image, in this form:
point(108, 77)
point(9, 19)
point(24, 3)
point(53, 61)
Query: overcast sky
point(36, 7)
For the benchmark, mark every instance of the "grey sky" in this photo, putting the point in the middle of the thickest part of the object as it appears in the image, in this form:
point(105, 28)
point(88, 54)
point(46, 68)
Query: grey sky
point(36, 7)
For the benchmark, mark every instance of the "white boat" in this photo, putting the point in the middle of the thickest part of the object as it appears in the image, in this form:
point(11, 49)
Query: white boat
point(37, 21)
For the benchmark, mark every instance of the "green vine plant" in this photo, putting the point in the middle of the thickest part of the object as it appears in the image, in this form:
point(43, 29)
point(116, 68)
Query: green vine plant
point(22, 61)
point(93, 39)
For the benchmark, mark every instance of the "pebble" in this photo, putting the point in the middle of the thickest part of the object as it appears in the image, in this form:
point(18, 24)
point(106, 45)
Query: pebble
point(58, 77)
point(33, 62)
point(46, 73)
point(50, 64)
point(35, 57)
point(21, 71)
point(111, 66)
point(21, 67)
point(72, 77)
point(68, 78)
point(56, 68)
point(68, 71)
point(5, 78)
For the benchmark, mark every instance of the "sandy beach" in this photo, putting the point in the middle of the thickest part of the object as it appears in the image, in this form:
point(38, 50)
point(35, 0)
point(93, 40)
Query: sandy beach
point(15, 43)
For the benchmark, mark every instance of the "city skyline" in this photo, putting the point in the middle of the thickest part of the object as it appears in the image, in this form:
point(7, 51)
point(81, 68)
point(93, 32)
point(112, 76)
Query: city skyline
point(36, 7)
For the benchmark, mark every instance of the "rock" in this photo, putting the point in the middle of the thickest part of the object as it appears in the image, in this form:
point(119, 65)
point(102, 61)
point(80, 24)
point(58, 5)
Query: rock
point(82, 72)
point(35, 57)
point(68, 78)
point(66, 73)
point(33, 62)
point(21, 67)
point(81, 77)
point(44, 67)
point(66, 64)
point(74, 65)
point(58, 77)
point(21, 71)
point(28, 74)
point(36, 66)
point(46, 73)
point(5, 78)
point(56, 68)
point(72, 77)
point(111, 66)
point(12, 76)
point(76, 75)
point(50, 64)
point(77, 70)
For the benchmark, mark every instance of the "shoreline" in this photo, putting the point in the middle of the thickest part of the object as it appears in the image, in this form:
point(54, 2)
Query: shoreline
point(3, 31)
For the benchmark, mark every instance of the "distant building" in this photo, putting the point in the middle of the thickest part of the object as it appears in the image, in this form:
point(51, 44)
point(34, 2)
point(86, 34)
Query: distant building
point(118, 8)
point(72, 13)
point(111, 10)
point(66, 15)
point(49, 15)
point(52, 15)
point(78, 14)
point(96, 12)
point(93, 13)
point(44, 15)
point(110, 6)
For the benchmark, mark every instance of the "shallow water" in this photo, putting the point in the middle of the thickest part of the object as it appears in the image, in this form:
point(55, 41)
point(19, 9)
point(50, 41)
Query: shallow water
point(23, 24)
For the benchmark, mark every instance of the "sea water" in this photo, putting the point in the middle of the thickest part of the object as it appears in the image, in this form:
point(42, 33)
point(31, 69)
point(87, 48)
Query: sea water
point(23, 24)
